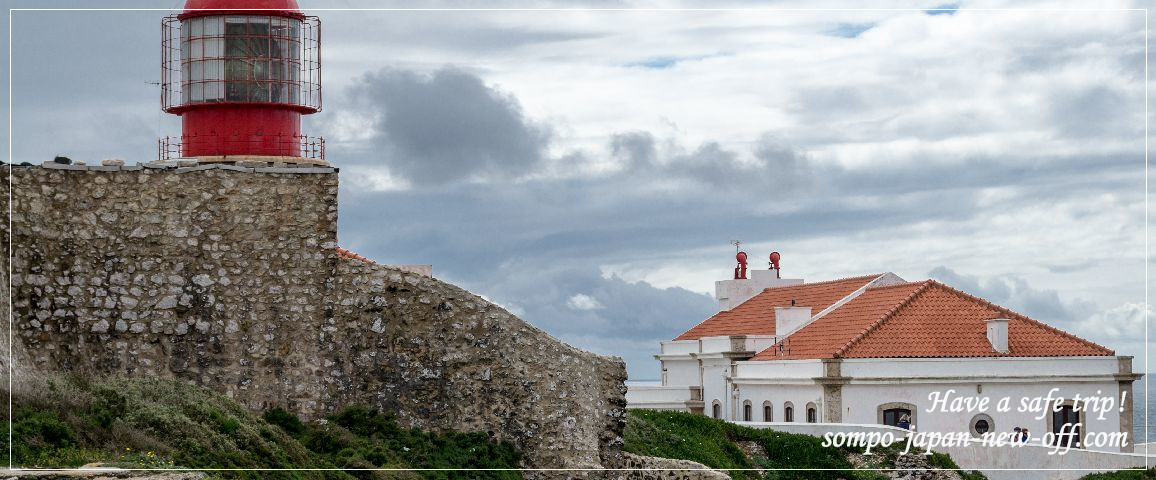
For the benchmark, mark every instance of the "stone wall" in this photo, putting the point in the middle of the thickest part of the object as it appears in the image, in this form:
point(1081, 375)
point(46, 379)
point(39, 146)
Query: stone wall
point(229, 278)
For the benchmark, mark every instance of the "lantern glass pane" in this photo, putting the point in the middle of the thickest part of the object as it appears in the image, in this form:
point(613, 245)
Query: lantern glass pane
point(261, 70)
point(214, 47)
point(235, 91)
point(196, 93)
point(214, 69)
point(196, 49)
point(214, 91)
point(259, 92)
point(196, 71)
point(214, 26)
point(197, 26)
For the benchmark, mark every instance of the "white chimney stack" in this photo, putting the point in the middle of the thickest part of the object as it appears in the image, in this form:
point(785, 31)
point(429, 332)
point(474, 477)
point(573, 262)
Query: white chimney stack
point(790, 319)
point(997, 334)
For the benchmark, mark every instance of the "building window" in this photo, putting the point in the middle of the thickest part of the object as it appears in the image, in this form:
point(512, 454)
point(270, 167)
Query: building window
point(981, 424)
point(747, 411)
point(1069, 436)
point(768, 414)
point(716, 410)
point(894, 413)
point(812, 413)
point(891, 416)
point(788, 412)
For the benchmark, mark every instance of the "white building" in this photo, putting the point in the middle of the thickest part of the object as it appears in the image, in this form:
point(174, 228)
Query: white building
point(869, 349)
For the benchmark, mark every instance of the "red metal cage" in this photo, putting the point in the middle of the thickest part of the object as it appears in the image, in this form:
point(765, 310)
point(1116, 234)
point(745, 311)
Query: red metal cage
point(240, 59)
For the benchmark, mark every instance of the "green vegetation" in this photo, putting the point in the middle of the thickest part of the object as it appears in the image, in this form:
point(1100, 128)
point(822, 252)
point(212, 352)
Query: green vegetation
point(154, 423)
point(714, 443)
point(1137, 474)
point(942, 460)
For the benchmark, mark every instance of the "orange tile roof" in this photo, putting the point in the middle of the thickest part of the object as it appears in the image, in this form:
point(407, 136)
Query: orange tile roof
point(923, 319)
point(822, 337)
point(757, 315)
point(348, 255)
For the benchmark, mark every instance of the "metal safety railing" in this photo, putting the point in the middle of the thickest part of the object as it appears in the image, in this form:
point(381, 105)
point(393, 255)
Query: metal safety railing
point(169, 148)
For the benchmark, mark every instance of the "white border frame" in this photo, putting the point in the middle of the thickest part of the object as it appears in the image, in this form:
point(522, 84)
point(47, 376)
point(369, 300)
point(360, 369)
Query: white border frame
point(10, 233)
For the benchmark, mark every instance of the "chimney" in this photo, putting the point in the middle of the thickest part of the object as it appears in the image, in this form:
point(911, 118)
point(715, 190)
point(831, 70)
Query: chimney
point(789, 319)
point(997, 334)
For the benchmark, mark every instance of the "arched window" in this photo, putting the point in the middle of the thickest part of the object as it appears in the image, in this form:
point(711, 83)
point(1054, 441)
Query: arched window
point(716, 410)
point(747, 411)
point(768, 414)
point(788, 412)
point(812, 413)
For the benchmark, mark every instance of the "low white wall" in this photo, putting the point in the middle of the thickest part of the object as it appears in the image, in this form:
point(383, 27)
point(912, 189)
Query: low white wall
point(1028, 462)
point(659, 397)
point(679, 347)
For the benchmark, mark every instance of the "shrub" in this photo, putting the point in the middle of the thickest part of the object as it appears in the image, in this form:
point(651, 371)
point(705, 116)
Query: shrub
point(287, 421)
point(71, 421)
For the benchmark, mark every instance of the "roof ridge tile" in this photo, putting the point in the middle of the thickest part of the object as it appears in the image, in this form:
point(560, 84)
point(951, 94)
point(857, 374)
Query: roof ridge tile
point(825, 282)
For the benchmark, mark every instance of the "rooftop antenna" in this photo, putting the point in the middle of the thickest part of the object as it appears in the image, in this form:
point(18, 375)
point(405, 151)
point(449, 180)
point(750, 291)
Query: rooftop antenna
point(741, 258)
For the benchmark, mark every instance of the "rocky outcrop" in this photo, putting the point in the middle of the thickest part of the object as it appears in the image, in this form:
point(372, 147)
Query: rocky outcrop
point(654, 468)
point(229, 278)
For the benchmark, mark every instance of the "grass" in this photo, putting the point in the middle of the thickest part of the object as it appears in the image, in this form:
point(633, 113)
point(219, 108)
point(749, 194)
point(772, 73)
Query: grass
point(711, 442)
point(155, 423)
point(942, 460)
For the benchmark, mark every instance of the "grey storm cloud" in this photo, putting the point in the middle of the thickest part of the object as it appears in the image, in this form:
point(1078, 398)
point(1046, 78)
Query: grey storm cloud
point(448, 125)
point(1015, 293)
point(711, 163)
point(636, 312)
point(1096, 111)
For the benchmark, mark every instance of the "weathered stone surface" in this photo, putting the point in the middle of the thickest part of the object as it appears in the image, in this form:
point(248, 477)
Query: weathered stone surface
point(231, 280)
point(653, 468)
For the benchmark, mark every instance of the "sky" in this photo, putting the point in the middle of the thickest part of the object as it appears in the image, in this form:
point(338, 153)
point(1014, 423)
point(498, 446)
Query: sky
point(588, 169)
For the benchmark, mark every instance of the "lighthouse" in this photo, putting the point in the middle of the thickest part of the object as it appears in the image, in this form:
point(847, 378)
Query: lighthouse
point(240, 74)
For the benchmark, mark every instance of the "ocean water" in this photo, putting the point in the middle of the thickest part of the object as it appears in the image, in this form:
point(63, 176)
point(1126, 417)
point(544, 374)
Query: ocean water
point(1140, 432)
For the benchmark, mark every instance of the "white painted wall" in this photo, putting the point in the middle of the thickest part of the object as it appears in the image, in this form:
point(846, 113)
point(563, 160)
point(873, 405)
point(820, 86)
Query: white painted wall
point(681, 371)
point(1007, 367)
point(776, 370)
point(779, 395)
point(861, 401)
point(714, 384)
point(731, 293)
point(789, 319)
point(1033, 461)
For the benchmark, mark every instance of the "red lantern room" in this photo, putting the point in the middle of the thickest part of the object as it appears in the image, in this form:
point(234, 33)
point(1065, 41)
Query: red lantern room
point(241, 73)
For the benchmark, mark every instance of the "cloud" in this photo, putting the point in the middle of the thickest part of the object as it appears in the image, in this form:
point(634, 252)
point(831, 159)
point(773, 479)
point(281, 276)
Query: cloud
point(447, 126)
point(850, 30)
point(581, 301)
point(1116, 327)
point(1121, 322)
point(577, 304)
point(1015, 293)
point(771, 162)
